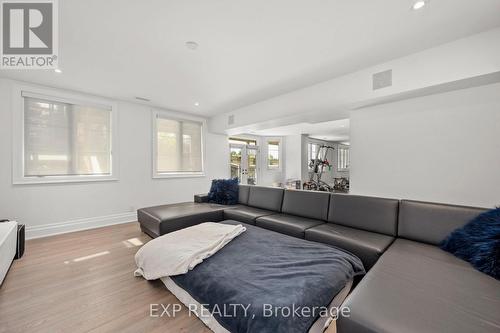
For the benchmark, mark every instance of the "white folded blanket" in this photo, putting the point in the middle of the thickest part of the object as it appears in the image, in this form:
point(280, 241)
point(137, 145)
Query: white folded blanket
point(180, 251)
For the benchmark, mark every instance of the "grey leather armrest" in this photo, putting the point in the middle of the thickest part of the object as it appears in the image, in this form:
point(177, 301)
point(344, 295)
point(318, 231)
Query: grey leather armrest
point(200, 198)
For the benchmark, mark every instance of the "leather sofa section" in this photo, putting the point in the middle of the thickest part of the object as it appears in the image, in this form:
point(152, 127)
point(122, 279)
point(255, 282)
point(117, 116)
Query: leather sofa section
point(368, 246)
point(367, 213)
point(269, 198)
point(308, 204)
point(178, 223)
point(149, 224)
point(159, 220)
point(416, 288)
point(243, 191)
point(432, 222)
point(245, 214)
point(201, 198)
point(287, 224)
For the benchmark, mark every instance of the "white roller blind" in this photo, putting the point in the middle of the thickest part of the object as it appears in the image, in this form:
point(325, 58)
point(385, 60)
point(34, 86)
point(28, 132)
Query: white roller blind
point(62, 139)
point(179, 146)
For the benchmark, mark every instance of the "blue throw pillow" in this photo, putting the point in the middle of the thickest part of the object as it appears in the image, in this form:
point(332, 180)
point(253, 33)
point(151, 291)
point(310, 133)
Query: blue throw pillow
point(224, 191)
point(478, 242)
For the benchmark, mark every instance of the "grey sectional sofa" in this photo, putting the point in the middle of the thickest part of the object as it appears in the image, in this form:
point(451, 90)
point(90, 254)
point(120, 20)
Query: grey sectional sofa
point(417, 287)
point(411, 285)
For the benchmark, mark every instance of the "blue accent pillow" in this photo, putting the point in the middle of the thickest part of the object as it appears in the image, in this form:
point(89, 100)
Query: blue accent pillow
point(224, 191)
point(478, 242)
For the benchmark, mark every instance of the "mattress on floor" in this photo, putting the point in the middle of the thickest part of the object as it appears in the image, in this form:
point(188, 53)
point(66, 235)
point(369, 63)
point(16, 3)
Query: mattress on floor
point(262, 271)
point(205, 316)
point(8, 244)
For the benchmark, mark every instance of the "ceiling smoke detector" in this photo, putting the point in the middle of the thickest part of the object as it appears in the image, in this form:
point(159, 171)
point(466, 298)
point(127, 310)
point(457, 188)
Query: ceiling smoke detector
point(191, 45)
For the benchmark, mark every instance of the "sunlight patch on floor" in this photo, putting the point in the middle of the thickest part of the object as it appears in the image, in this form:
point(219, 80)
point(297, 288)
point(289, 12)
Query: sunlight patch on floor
point(91, 256)
point(132, 242)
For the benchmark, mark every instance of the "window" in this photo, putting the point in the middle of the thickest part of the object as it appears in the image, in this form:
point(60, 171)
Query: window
point(312, 149)
point(273, 153)
point(343, 159)
point(62, 140)
point(178, 147)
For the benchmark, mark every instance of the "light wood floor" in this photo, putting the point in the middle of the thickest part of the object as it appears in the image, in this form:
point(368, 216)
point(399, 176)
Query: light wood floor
point(84, 282)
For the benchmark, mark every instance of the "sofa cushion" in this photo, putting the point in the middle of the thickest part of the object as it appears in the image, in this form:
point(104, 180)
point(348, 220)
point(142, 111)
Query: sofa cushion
point(159, 220)
point(432, 222)
point(367, 213)
point(245, 213)
point(368, 246)
point(309, 204)
point(269, 198)
point(478, 242)
point(287, 224)
point(244, 190)
point(224, 191)
point(416, 288)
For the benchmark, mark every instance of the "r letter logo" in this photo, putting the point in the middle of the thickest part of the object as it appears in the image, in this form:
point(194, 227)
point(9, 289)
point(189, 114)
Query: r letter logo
point(29, 34)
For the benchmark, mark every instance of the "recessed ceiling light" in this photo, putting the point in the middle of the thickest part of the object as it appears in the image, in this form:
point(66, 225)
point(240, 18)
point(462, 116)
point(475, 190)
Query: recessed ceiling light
point(196, 104)
point(418, 4)
point(58, 71)
point(191, 45)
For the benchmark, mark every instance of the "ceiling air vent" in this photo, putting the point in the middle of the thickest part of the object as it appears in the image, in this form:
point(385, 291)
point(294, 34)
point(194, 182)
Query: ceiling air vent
point(230, 119)
point(382, 79)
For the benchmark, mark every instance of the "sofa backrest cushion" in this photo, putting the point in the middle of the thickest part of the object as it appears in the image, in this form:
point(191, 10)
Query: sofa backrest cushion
point(309, 204)
point(431, 222)
point(269, 198)
point(243, 194)
point(366, 213)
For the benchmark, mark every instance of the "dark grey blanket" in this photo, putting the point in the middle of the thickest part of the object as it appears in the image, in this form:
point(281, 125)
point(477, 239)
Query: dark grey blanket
point(249, 284)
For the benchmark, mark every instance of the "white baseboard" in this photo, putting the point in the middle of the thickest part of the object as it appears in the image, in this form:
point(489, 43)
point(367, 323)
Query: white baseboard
point(77, 225)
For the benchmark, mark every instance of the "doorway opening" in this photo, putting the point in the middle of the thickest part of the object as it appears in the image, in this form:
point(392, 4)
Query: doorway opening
point(244, 160)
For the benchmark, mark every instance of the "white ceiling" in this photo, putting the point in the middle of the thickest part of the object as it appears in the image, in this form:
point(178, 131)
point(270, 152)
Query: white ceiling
point(248, 50)
point(337, 130)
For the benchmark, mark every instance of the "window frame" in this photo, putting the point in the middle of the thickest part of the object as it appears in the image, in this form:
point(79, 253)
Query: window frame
point(340, 148)
point(155, 114)
point(280, 153)
point(19, 92)
point(310, 154)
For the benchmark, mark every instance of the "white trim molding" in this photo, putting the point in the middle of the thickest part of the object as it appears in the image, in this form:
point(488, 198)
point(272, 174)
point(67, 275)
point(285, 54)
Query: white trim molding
point(51, 229)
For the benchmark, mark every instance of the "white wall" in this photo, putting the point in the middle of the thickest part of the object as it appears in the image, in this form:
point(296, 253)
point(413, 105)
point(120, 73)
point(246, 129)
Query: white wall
point(293, 157)
point(460, 62)
point(87, 204)
point(443, 148)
